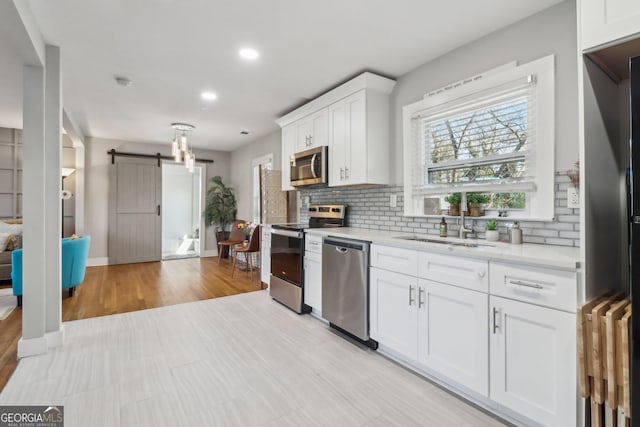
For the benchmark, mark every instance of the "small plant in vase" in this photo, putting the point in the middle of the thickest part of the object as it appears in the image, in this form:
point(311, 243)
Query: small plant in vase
point(247, 229)
point(454, 203)
point(492, 234)
point(476, 200)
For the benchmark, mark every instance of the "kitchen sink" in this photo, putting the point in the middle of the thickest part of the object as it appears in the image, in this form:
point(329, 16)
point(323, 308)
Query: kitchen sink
point(468, 244)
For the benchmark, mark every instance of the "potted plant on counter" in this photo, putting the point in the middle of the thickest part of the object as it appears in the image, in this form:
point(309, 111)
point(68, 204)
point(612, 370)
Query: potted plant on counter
point(492, 234)
point(220, 208)
point(454, 203)
point(476, 200)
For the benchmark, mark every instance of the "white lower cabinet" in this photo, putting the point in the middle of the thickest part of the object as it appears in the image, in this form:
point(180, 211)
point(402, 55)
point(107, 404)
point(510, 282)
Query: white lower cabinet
point(491, 328)
point(265, 255)
point(533, 361)
point(452, 333)
point(313, 281)
point(440, 326)
point(394, 311)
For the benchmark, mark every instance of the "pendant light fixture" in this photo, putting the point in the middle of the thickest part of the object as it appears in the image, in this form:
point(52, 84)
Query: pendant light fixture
point(180, 149)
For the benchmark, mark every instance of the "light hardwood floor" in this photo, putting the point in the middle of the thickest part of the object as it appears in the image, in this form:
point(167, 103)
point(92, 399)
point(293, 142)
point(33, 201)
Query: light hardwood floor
point(242, 360)
point(124, 288)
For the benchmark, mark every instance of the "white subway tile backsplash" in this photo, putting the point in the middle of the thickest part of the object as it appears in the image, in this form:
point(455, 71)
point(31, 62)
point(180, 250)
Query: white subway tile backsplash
point(369, 208)
point(570, 234)
point(559, 242)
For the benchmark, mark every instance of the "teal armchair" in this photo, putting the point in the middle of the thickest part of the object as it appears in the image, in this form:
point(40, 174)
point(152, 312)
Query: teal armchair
point(74, 264)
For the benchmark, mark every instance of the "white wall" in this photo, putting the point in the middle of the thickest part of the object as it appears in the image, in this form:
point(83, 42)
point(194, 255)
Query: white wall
point(552, 31)
point(97, 185)
point(241, 168)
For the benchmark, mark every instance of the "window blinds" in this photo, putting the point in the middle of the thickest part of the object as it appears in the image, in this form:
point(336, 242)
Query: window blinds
point(483, 142)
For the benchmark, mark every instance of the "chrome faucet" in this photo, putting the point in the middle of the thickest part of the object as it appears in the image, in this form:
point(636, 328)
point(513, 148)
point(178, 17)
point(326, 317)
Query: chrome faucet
point(463, 207)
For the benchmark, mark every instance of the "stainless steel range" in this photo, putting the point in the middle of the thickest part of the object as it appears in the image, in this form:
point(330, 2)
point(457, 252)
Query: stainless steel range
point(287, 253)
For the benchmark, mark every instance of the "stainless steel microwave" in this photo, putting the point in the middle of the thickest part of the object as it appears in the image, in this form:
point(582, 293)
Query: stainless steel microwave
point(309, 167)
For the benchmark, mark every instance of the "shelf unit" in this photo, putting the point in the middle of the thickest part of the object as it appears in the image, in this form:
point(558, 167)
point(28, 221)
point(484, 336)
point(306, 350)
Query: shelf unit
point(10, 173)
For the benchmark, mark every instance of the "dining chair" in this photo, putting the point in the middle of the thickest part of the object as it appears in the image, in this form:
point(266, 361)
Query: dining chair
point(248, 250)
point(235, 236)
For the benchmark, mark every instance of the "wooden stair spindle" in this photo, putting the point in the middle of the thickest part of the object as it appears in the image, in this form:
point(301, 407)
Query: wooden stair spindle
point(625, 329)
point(614, 361)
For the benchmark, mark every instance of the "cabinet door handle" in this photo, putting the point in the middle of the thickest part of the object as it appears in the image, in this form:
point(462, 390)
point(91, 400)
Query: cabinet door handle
point(420, 294)
point(158, 210)
point(495, 323)
point(525, 284)
point(341, 173)
point(310, 140)
point(480, 273)
point(346, 172)
point(411, 298)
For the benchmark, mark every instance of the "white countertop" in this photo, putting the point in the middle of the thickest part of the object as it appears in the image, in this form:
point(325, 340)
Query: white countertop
point(544, 255)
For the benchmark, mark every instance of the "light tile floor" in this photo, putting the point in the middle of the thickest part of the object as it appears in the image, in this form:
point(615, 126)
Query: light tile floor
point(243, 360)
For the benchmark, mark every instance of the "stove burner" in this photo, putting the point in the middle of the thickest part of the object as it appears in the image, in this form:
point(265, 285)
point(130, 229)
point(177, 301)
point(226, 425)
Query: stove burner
point(320, 216)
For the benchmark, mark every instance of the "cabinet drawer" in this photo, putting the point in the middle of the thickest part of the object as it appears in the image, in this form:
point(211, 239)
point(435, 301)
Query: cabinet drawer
point(313, 243)
point(312, 256)
point(463, 272)
point(400, 260)
point(542, 286)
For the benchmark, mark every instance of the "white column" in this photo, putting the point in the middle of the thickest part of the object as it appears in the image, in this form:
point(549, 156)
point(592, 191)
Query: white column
point(52, 200)
point(33, 339)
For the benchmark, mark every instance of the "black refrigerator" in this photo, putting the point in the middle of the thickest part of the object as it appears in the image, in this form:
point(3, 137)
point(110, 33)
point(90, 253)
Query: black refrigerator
point(634, 238)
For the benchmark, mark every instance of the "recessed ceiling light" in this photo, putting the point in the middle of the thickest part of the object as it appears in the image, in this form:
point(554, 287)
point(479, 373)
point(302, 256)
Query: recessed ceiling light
point(123, 81)
point(208, 96)
point(248, 53)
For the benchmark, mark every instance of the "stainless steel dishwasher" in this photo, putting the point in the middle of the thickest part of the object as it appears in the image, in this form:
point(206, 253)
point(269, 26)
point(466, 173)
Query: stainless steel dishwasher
point(345, 286)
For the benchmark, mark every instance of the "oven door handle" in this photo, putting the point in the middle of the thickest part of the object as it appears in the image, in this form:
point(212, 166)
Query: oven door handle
point(296, 234)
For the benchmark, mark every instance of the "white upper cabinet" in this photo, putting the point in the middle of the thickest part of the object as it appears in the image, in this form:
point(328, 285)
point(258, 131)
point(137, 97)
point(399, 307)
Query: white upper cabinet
point(353, 121)
point(349, 149)
point(607, 21)
point(312, 131)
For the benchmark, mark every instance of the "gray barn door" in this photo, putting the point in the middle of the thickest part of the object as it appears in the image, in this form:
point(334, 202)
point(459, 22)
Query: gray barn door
point(135, 224)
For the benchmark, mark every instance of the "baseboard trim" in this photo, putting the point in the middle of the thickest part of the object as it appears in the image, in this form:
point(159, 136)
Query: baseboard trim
point(31, 347)
point(94, 262)
point(56, 338)
point(209, 253)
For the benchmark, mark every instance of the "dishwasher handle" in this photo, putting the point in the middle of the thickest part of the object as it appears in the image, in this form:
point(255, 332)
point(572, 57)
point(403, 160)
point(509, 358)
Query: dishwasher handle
point(358, 245)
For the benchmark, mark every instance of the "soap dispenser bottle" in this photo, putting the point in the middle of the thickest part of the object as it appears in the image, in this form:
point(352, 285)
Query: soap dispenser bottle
point(443, 228)
point(515, 234)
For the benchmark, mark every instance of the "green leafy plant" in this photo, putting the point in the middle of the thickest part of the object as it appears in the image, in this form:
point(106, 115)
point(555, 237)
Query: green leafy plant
point(220, 205)
point(453, 199)
point(492, 225)
point(477, 198)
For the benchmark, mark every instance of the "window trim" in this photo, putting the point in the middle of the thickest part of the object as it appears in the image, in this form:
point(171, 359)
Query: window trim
point(540, 203)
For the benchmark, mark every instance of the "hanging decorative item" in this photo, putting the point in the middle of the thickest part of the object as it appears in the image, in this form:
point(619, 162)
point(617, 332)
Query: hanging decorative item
point(180, 149)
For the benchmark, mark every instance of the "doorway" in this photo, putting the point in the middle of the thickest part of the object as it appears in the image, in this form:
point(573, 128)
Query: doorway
point(182, 208)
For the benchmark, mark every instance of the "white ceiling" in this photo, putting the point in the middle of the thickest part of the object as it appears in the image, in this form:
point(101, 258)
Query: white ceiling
point(174, 49)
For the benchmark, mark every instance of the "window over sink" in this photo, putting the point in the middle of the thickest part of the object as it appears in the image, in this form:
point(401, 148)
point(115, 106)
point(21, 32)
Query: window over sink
point(491, 134)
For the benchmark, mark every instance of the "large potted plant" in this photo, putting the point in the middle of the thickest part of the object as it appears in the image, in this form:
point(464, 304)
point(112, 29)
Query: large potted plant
point(220, 208)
